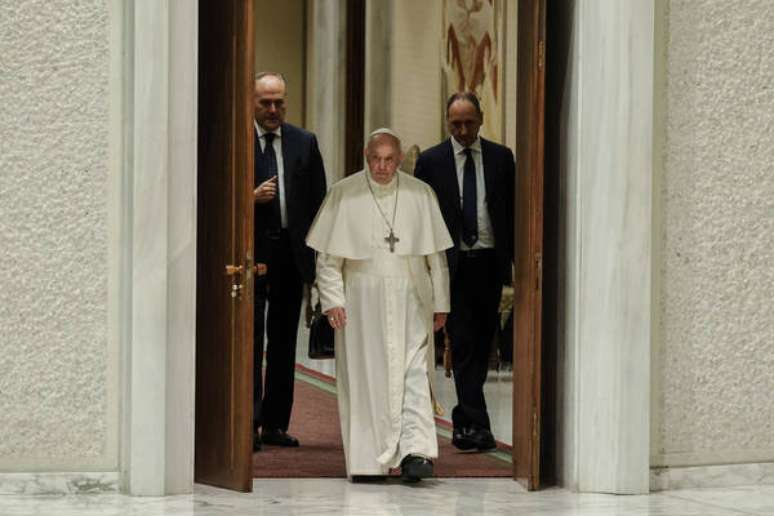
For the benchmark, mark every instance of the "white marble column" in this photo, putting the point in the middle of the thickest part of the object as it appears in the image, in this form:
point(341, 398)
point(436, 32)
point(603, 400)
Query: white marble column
point(607, 176)
point(181, 246)
point(158, 229)
point(146, 350)
point(327, 75)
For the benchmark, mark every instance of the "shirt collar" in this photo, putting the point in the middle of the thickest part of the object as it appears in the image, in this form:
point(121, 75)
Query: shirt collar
point(459, 149)
point(261, 131)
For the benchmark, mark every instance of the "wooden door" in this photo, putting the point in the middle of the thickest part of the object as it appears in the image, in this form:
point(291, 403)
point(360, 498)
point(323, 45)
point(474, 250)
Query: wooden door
point(224, 301)
point(529, 242)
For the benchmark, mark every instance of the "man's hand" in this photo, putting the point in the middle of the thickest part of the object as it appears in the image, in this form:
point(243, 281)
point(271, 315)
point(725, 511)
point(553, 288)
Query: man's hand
point(439, 320)
point(266, 191)
point(337, 317)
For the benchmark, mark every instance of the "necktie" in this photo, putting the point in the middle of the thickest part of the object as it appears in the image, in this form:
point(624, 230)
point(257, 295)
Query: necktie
point(469, 198)
point(270, 159)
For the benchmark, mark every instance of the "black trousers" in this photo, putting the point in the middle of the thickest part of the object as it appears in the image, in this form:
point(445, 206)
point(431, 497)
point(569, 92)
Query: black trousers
point(472, 322)
point(281, 289)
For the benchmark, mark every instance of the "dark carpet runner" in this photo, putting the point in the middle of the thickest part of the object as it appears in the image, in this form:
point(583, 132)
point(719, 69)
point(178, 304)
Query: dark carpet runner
point(315, 422)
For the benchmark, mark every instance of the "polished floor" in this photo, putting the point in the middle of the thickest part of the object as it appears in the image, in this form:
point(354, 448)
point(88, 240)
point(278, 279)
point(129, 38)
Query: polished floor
point(438, 497)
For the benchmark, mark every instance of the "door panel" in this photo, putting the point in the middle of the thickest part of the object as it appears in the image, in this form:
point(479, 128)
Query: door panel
point(224, 303)
point(529, 242)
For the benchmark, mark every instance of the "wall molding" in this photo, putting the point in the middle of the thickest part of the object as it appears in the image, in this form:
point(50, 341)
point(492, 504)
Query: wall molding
point(711, 458)
point(722, 475)
point(61, 483)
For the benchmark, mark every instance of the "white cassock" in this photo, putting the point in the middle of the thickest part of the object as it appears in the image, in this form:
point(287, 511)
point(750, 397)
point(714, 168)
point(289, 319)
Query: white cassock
point(383, 352)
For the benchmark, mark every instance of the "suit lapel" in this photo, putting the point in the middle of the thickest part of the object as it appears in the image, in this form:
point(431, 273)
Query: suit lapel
point(452, 183)
point(288, 160)
point(488, 161)
point(257, 159)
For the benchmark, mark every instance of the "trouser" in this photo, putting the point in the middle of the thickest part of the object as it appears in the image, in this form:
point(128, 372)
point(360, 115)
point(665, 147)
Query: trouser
point(472, 322)
point(281, 288)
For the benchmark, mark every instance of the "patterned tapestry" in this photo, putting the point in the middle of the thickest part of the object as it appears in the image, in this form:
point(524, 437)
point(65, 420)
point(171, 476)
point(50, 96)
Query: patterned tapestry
point(471, 57)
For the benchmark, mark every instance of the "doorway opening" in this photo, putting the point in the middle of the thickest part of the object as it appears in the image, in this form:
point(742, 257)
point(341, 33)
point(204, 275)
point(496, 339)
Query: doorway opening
point(230, 52)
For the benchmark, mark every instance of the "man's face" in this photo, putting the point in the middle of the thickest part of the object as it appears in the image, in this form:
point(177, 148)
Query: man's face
point(269, 102)
point(463, 122)
point(384, 157)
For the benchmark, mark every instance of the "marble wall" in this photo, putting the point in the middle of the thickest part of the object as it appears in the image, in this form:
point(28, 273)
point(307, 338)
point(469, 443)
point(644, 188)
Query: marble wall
point(713, 361)
point(158, 244)
point(80, 271)
point(58, 360)
point(326, 72)
point(604, 130)
point(97, 221)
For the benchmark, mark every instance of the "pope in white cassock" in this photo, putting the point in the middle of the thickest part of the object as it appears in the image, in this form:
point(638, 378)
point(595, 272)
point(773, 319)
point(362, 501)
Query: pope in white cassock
point(384, 285)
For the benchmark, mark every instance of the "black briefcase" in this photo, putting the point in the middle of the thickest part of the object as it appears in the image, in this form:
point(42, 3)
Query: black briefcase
point(320, 336)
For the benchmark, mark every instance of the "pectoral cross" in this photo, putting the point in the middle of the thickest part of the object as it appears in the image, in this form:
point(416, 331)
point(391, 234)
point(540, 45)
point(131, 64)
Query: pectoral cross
point(391, 239)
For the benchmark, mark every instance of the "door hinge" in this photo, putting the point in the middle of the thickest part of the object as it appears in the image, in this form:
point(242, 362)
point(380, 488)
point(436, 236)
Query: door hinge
point(541, 53)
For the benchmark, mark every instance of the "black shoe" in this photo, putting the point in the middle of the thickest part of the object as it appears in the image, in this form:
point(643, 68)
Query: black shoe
point(256, 442)
point(414, 468)
point(462, 439)
point(279, 438)
point(365, 479)
point(483, 439)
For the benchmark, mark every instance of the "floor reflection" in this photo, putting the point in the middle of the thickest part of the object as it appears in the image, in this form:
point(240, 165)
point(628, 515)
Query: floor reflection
point(321, 497)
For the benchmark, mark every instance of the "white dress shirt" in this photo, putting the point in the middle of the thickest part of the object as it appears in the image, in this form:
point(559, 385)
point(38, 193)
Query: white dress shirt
point(277, 144)
point(485, 234)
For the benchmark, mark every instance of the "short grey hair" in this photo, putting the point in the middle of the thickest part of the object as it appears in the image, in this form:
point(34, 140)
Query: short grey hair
point(261, 75)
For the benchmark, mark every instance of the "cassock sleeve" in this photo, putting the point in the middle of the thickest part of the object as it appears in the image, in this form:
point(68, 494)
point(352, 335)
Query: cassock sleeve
point(439, 276)
point(330, 281)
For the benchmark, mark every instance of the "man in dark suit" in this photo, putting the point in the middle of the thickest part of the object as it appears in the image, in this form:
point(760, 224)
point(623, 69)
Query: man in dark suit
point(474, 181)
point(290, 180)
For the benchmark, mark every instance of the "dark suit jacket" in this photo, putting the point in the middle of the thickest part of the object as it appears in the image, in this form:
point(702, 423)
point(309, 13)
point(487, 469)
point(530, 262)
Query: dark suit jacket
point(436, 167)
point(304, 182)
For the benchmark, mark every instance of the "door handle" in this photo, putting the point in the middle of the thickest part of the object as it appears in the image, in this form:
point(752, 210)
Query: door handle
point(233, 270)
point(259, 269)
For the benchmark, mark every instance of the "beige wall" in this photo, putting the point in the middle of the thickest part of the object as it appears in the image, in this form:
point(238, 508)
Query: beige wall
point(415, 102)
point(713, 350)
point(280, 45)
point(58, 364)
